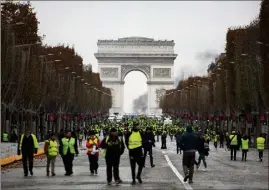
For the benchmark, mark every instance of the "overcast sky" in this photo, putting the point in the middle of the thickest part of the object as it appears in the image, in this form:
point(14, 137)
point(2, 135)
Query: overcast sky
point(196, 27)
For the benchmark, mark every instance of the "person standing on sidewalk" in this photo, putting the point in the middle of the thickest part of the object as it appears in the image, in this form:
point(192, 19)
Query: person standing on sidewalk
point(27, 146)
point(149, 142)
point(260, 146)
point(51, 151)
point(233, 145)
point(134, 142)
point(68, 148)
point(244, 147)
point(93, 143)
point(189, 145)
point(113, 148)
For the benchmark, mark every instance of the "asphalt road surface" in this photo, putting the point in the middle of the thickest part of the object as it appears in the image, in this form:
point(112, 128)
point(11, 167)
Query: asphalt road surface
point(167, 174)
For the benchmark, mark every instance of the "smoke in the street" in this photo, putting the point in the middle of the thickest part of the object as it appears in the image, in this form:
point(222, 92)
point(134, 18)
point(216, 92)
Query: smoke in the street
point(140, 104)
point(206, 55)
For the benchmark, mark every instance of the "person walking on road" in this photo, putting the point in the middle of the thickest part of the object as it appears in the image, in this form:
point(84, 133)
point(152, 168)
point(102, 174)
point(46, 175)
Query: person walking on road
point(244, 147)
point(80, 138)
point(113, 148)
point(203, 149)
point(68, 148)
point(163, 139)
point(149, 142)
point(178, 136)
point(134, 142)
point(93, 143)
point(233, 145)
point(260, 146)
point(27, 146)
point(221, 140)
point(189, 144)
point(51, 150)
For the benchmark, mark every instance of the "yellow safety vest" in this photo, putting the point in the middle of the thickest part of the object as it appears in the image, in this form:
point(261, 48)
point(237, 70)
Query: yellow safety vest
point(92, 142)
point(244, 144)
point(135, 140)
point(234, 141)
point(216, 139)
point(68, 144)
point(260, 143)
point(34, 139)
point(5, 137)
point(80, 136)
point(53, 148)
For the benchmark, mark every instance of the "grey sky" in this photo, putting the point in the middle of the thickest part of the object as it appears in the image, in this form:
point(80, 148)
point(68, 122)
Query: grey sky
point(195, 26)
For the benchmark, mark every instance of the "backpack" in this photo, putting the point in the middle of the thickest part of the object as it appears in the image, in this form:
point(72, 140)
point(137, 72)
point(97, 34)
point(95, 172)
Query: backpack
point(104, 150)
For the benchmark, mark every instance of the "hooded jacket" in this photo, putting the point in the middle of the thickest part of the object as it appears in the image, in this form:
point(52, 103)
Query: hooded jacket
point(189, 140)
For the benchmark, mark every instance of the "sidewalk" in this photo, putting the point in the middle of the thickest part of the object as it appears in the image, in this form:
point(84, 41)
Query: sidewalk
point(9, 152)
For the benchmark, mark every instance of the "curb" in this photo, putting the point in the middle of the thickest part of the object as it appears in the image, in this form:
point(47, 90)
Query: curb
point(15, 158)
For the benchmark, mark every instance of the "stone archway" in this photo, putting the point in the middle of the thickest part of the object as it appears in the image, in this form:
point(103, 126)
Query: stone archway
point(125, 69)
point(117, 58)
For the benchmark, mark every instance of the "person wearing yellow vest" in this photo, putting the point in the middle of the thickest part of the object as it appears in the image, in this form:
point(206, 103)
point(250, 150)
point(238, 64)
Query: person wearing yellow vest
point(27, 146)
point(80, 138)
point(68, 148)
point(93, 143)
point(215, 139)
point(134, 142)
point(5, 137)
point(113, 148)
point(233, 145)
point(244, 147)
point(51, 150)
point(260, 146)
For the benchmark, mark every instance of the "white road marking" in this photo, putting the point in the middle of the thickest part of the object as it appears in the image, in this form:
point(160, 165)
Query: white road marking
point(163, 152)
point(179, 176)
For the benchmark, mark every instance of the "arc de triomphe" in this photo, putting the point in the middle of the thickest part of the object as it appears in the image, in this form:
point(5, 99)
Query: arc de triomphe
point(116, 58)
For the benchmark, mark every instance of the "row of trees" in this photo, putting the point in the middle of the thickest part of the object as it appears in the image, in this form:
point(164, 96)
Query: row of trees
point(42, 84)
point(237, 86)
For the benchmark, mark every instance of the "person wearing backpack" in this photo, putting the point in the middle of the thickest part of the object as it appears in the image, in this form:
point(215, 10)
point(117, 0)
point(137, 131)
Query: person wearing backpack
point(233, 145)
point(113, 148)
point(51, 150)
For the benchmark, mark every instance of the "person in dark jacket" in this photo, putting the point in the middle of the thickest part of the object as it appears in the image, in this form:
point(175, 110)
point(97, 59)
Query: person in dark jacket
point(27, 146)
point(178, 137)
point(61, 135)
point(202, 150)
point(188, 143)
point(149, 141)
point(14, 137)
point(221, 140)
point(114, 148)
point(134, 142)
point(163, 138)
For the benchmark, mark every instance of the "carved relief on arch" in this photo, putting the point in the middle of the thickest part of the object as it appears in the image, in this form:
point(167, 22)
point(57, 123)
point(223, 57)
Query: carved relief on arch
point(125, 69)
